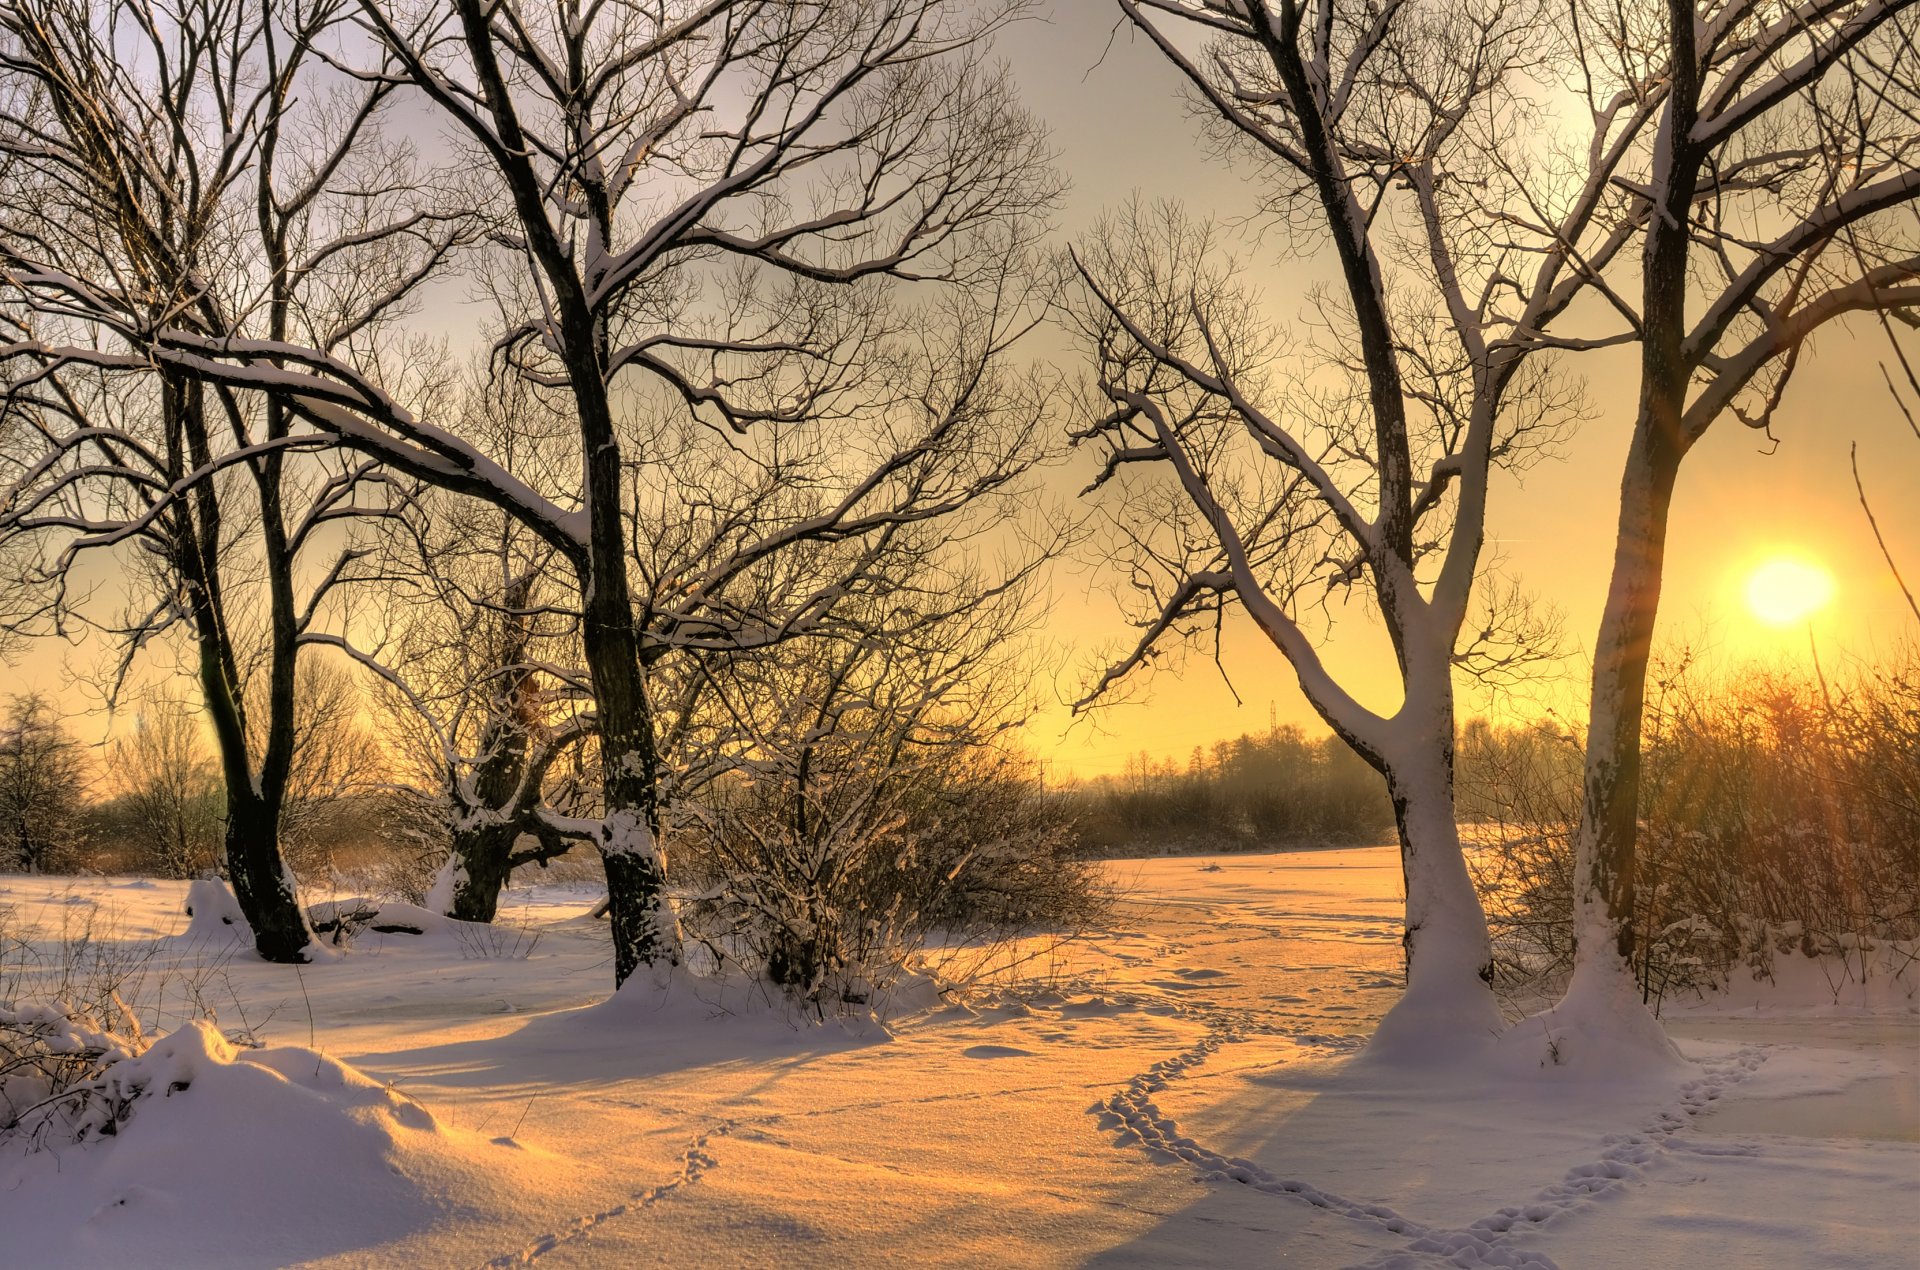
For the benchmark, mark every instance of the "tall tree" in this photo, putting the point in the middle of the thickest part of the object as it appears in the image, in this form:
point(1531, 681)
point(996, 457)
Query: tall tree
point(1778, 181)
point(1360, 466)
point(198, 168)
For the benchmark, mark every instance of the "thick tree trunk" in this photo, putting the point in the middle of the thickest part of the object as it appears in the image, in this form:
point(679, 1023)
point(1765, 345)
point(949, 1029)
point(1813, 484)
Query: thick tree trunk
point(1449, 1000)
point(260, 879)
point(644, 930)
point(485, 863)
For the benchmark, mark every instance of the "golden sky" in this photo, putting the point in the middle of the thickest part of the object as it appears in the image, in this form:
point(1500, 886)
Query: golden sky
point(1121, 128)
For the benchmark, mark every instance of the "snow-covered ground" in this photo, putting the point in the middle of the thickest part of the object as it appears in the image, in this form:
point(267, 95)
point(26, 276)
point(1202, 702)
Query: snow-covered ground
point(1178, 1090)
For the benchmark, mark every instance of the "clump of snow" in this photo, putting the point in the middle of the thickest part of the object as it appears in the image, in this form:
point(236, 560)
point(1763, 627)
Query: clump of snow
point(341, 920)
point(1599, 1030)
point(200, 1141)
point(446, 880)
point(213, 914)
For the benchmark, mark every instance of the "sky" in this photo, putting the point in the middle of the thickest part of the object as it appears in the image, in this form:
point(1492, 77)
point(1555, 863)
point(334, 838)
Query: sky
point(1121, 128)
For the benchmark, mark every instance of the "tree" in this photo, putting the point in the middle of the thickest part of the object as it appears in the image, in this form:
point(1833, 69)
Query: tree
point(1774, 189)
point(467, 674)
point(168, 788)
point(202, 169)
point(1362, 468)
point(707, 206)
point(43, 784)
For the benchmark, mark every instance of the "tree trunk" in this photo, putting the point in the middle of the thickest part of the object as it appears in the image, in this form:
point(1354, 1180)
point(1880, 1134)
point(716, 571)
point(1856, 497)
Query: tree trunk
point(260, 880)
point(484, 856)
point(1449, 998)
point(1606, 843)
point(644, 930)
point(643, 927)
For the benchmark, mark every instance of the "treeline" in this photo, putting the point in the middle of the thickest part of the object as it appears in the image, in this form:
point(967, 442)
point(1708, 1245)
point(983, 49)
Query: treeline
point(1273, 789)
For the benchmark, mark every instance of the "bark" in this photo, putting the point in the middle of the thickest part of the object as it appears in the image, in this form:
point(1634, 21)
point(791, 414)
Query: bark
point(486, 862)
point(260, 879)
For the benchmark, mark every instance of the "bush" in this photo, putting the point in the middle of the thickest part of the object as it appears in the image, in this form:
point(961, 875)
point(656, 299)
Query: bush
point(829, 883)
point(1779, 813)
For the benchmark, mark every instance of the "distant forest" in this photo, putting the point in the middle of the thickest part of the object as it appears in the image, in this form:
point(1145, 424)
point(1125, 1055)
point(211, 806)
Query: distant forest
point(1276, 788)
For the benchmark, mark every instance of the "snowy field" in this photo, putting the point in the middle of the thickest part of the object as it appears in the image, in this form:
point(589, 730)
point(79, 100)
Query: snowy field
point(1178, 1090)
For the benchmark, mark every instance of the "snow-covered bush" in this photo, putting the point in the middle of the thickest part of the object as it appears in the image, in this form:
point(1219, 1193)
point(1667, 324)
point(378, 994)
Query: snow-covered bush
point(57, 1077)
point(830, 883)
point(78, 1002)
point(1779, 814)
point(64, 1021)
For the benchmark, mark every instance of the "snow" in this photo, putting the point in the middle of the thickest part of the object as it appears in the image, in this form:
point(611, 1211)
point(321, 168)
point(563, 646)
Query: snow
point(1178, 1089)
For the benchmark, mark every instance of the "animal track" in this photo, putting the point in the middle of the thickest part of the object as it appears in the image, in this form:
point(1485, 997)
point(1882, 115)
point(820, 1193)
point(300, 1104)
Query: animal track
point(1133, 1117)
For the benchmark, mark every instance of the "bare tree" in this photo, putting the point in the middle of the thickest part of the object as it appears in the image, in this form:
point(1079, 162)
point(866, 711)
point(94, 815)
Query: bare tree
point(1284, 474)
point(706, 204)
point(43, 784)
point(167, 788)
point(200, 169)
point(1776, 182)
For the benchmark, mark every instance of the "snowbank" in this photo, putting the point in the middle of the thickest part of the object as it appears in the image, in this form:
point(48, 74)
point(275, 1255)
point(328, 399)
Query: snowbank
point(223, 1157)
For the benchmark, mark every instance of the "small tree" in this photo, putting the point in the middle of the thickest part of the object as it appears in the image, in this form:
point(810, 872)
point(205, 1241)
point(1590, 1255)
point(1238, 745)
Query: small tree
point(43, 784)
point(169, 791)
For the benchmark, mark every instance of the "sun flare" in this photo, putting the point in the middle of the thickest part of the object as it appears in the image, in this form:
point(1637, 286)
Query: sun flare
point(1785, 590)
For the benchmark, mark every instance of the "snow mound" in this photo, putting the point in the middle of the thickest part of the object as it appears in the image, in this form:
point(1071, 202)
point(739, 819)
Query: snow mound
point(305, 1154)
point(213, 914)
point(1599, 1030)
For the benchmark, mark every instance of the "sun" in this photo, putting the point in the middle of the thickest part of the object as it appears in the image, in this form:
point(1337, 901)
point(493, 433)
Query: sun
point(1787, 589)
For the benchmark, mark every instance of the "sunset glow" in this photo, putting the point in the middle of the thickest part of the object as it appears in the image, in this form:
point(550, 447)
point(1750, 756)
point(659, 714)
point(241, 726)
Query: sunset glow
point(1787, 589)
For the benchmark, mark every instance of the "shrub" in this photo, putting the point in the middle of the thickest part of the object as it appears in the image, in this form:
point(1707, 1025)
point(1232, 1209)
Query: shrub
point(830, 882)
point(1779, 812)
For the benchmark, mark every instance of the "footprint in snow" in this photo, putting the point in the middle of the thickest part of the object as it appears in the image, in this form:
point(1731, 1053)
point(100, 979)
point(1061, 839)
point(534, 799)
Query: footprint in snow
point(1200, 973)
point(995, 1051)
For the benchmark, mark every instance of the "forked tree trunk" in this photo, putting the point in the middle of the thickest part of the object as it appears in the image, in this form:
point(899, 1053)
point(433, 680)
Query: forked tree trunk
point(261, 883)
